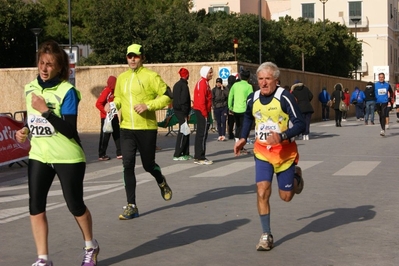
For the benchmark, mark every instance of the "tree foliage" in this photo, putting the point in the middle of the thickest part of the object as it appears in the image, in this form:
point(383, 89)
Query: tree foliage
point(17, 42)
point(170, 33)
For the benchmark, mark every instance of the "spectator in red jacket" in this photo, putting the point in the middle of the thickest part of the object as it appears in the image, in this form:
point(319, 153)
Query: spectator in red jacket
point(202, 108)
point(107, 96)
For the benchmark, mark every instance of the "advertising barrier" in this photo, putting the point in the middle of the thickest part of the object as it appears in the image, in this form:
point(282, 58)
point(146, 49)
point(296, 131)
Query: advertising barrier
point(10, 150)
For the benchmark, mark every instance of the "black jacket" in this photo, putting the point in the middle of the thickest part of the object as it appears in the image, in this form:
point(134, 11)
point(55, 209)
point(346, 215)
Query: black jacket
point(303, 96)
point(219, 97)
point(369, 93)
point(336, 96)
point(181, 97)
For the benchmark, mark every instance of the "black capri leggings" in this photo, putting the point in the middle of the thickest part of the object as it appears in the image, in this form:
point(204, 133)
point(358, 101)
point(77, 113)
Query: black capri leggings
point(40, 178)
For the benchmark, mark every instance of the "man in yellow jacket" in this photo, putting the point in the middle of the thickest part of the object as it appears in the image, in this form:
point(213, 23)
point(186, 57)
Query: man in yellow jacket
point(139, 92)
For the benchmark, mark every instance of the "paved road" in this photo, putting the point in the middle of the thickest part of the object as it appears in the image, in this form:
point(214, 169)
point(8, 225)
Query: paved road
point(346, 215)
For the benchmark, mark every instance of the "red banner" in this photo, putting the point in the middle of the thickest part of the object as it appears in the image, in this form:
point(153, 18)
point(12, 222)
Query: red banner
point(10, 150)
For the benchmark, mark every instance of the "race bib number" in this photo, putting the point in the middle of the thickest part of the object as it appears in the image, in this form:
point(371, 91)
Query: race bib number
point(263, 130)
point(382, 91)
point(39, 126)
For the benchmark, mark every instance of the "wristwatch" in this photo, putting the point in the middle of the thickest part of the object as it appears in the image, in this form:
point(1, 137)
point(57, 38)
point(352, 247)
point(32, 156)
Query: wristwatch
point(283, 136)
point(47, 114)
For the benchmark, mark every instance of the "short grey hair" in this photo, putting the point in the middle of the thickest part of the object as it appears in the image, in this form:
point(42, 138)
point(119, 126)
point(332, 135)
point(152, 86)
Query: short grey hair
point(269, 66)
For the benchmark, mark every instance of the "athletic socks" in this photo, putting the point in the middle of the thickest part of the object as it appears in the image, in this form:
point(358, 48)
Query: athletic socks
point(265, 222)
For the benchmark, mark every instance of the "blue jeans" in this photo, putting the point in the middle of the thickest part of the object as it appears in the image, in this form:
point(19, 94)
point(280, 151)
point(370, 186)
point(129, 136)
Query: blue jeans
point(359, 110)
point(370, 107)
point(220, 115)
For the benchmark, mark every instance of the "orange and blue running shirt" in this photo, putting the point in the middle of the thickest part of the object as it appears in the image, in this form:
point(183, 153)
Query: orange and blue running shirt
point(279, 113)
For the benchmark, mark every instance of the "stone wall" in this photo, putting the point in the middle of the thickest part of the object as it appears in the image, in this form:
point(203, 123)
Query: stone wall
point(91, 80)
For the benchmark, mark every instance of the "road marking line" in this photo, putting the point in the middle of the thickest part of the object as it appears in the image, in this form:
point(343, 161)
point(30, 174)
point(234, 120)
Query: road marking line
point(226, 169)
point(357, 168)
point(308, 164)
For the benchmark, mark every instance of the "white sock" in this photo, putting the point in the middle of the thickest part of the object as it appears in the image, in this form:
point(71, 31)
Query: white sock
point(43, 257)
point(91, 244)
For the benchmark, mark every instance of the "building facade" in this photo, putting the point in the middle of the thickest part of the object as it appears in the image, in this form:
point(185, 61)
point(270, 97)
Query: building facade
point(375, 25)
point(236, 6)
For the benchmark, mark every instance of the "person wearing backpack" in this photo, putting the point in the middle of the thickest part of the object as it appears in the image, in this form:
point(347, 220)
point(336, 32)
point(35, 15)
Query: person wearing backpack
point(324, 99)
point(357, 99)
point(370, 103)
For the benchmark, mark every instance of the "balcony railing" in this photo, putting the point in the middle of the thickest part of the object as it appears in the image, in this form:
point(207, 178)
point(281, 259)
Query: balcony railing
point(363, 22)
point(363, 68)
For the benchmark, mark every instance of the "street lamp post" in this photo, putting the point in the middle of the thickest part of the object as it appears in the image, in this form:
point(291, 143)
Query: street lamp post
point(355, 21)
point(36, 31)
point(324, 13)
point(235, 45)
point(260, 32)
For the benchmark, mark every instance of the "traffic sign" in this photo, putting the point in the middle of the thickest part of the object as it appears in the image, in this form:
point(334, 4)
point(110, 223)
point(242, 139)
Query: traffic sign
point(224, 72)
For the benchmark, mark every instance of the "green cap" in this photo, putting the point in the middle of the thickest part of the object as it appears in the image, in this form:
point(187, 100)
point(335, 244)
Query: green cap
point(135, 49)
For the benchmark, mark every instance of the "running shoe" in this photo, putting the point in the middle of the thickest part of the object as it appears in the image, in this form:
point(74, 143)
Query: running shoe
point(119, 157)
point(203, 162)
point(188, 157)
point(244, 151)
point(104, 158)
point(90, 257)
point(386, 127)
point(298, 173)
point(382, 133)
point(265, 242)
point(181, 158)
point(42, 262)
point(166, 192)
point(223, 138)
point(130, 211)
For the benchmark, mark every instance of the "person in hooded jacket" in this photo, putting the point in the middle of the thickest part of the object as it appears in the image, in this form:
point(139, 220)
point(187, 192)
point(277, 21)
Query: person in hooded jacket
point(357, 99)
point(336, 96)
point(347, 104)
point(230, 118)
point(304, 96)
point(324, 98)
point(202, 107)
point(107, 96)
point(370, 103)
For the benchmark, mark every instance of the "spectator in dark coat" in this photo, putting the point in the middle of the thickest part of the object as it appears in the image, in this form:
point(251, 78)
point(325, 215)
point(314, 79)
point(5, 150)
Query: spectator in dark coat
point(336, 97)
point(182, 107)
point(370, 103)
point(304, 96)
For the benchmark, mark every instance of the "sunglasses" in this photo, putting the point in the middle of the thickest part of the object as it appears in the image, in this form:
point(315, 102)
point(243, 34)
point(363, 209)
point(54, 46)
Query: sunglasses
point(131, 55)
